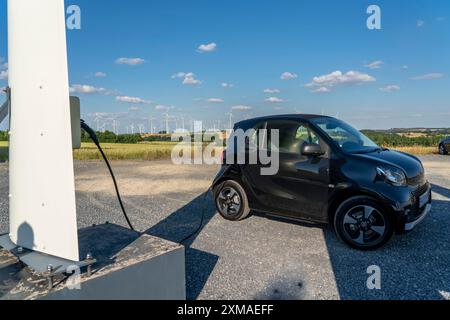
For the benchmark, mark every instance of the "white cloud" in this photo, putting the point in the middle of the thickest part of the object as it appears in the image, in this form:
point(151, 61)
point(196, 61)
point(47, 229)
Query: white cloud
point(215, 100)
point(271, 91)
point(210, 47)
point(87, 89)
point(134, 100)
point(241, 107)
point(188, 78)
point(3, 69)
point(274, 100)
point(163, 107)
point(375, 65)
point(3, 64)
point(321, 90)
point(420, 23)
point(288, 76)
point(429, 76)
point(134, 108)
point(191, 81)
point(337, 78)
point(3, 74)
point(390, 88)
point(130, 61)
point(404, 67)
point(227, 85)
point(100, 74)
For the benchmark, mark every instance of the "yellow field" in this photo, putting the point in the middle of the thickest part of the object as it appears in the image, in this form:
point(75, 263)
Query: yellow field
point(156, 151)
point(141, 151)
point(417, 150)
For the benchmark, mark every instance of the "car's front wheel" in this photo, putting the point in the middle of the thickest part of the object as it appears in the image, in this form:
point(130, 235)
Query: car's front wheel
point(231, 201)
point(363, 223)
point(442, 150)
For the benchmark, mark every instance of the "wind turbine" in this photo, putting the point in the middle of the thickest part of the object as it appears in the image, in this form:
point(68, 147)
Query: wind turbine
point(151, 119)
point(97, 120)
point(141, 129)
point(231, 119)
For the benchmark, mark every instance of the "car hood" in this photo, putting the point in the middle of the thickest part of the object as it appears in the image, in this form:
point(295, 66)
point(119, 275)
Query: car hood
point(410, 164)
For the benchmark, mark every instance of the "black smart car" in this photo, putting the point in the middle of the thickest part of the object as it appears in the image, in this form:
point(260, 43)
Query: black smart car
point(444, 146)
point(329, 172)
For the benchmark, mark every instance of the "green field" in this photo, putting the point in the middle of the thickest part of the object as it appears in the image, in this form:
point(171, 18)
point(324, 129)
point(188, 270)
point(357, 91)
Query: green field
point(158, 151)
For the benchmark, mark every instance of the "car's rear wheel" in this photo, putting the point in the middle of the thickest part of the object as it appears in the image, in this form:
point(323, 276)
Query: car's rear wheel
point(363, 223)
point(231, 201)
point(442, 150)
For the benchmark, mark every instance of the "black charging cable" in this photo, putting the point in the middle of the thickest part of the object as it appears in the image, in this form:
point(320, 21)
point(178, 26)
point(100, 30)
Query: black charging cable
point(94, 138)
point(202, 220)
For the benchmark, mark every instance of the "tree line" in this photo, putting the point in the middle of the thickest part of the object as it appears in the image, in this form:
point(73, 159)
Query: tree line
point(381, 138)
point(396, 140)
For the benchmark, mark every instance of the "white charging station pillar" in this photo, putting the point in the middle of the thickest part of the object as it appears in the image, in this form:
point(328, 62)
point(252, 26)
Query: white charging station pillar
point(42, 191)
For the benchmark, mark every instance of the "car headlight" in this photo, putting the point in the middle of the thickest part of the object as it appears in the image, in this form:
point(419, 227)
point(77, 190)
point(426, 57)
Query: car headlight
point(394, 176)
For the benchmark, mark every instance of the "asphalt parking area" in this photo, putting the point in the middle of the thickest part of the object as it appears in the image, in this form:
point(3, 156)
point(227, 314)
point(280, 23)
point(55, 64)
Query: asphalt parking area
point(262, 258)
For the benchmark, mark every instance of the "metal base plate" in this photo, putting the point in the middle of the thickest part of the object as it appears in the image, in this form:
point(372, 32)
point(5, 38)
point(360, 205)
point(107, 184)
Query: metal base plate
point(39, 262)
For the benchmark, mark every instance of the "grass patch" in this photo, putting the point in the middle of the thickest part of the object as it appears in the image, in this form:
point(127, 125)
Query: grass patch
point(141, 151)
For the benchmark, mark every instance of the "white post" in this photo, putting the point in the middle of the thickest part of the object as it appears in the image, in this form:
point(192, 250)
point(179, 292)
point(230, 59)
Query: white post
point(42, 188)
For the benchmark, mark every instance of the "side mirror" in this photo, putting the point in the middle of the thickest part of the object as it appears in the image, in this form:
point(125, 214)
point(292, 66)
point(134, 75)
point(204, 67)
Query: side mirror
point(311, 149)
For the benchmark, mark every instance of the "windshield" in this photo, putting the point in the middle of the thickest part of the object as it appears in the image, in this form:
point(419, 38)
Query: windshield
point(347, 137)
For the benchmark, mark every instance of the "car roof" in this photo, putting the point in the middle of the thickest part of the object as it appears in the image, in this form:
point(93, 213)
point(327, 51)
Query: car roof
point(250, 122)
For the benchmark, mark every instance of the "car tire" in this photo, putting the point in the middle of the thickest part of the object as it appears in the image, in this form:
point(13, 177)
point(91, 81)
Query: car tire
point(363, 224)
point(231, 201)
point(442, 150)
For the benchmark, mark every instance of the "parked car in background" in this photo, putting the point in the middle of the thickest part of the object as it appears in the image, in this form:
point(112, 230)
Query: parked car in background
point(329, 172)
point(444, 146)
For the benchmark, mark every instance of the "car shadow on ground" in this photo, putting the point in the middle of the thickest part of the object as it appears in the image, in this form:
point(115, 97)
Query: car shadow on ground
point(181, 224)
point(413, 266)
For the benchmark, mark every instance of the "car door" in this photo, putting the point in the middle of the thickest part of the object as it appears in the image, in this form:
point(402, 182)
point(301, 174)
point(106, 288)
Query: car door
point(300, 188)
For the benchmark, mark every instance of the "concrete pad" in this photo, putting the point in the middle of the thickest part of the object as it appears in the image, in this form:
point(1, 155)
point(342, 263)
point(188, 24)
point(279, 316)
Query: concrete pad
point(129, 266)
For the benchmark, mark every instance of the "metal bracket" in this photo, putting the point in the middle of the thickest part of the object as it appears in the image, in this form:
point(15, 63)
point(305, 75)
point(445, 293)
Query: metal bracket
point(44, 265)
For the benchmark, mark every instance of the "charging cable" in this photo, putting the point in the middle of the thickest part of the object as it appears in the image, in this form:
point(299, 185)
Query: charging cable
point(202, 220)
point(94, 138)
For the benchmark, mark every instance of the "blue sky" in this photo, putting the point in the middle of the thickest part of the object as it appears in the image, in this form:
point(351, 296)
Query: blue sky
point(395, 77)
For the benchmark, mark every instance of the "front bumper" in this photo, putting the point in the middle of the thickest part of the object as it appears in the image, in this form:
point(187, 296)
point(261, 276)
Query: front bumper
point(415, 211)
point(411, 225)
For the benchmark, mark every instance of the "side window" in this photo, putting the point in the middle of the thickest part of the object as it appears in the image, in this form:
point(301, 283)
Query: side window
point(293, 135)
point(255, 140)
point(307, 135)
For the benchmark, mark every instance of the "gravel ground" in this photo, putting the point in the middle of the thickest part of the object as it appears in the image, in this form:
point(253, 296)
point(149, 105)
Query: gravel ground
point(262, 258)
